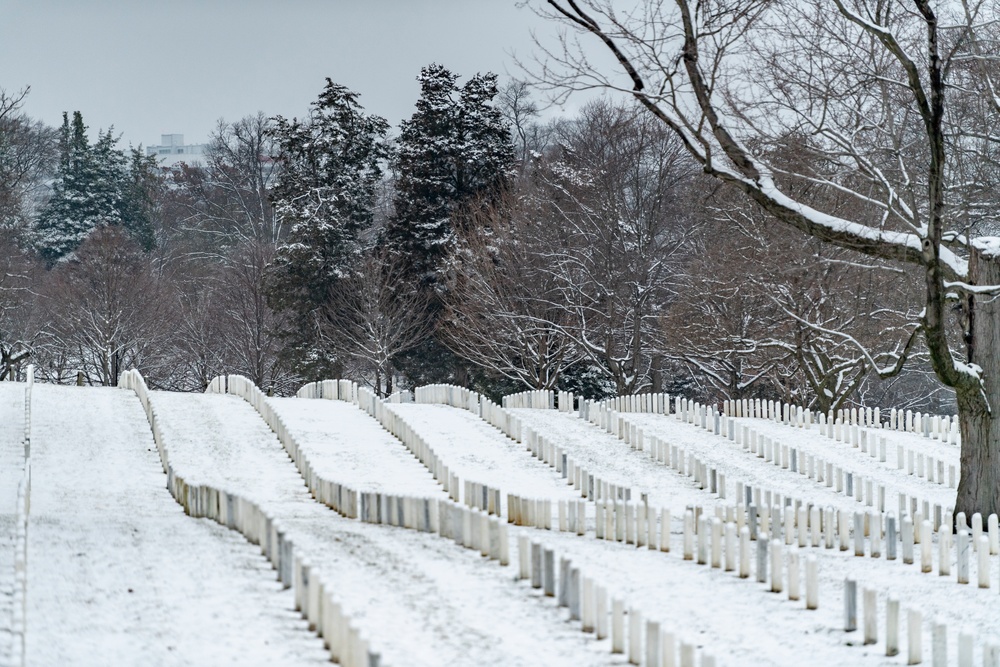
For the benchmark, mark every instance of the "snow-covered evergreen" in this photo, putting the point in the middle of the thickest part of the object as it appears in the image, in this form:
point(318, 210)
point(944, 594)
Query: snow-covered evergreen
point(95, 186)
point(455, 147)
point(331, 167)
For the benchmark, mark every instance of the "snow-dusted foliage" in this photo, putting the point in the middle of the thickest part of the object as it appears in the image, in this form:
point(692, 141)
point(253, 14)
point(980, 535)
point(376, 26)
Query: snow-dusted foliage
point(96, 186)
point(331, 164)
point(455, 147)
point(868, 125)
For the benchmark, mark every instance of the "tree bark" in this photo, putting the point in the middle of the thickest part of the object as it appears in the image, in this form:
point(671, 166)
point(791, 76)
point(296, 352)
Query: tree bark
point(978, 416)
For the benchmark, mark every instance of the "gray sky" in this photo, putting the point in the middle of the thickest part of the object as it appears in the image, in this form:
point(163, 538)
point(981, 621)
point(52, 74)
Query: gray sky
point(177, 66)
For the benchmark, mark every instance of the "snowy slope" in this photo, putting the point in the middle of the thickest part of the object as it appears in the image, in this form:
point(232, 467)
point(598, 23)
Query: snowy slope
point(347, 444)
point(421, 600)
point(102, 523)
point(117, 574)
point(478, 452)
point(959, 606)
point(11, 465)
point(852, 458)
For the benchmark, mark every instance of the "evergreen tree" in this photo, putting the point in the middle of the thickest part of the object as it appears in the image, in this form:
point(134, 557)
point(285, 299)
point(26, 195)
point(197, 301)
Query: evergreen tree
point(331, 167)
point(455, 148)
point(455, 151)
point(95, 186)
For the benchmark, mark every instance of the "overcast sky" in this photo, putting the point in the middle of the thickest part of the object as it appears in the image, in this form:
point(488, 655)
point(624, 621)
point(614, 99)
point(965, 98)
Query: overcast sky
point(177, 66)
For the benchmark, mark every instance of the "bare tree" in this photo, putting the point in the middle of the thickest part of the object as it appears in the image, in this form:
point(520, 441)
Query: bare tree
point(895, 102)
point(503, 304)
point(720, 325)
point(252, 330)
point(27, 157)
point(104, 313)
point(618, 186)
point(18, 275)
point(371, 316)
point(226, 201)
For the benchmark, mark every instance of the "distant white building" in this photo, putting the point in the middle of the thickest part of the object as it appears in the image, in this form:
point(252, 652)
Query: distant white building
point(173, 150)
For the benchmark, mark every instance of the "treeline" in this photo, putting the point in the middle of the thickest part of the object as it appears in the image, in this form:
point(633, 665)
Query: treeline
point(475, 244)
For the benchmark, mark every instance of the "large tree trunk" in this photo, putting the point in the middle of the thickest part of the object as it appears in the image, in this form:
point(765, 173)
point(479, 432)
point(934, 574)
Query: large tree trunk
point(979, 407)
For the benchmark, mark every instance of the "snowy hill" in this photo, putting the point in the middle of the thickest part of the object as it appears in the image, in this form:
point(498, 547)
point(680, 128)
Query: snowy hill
point(281, 521)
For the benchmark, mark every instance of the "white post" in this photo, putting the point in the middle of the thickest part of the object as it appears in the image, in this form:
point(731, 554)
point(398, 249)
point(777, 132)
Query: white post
point(651, 529)
point(926, 545)
point(892, 627)
point(634, 636)
point(762, 544)
point(716, 542)
point(994, 534)
point(939, 650)
point(687, 655)
point(814, 524)
point(793, 572)
point(704, 533)
point(640, 525)
point(850, 605)
point(984, 561)
point(688, 535)
point(859, 534)
point(776, 556)
point(944, 551)
point(964, 649)
point(991, 655)
point(549, 572)
point(654, 654)
point(730, 547)
point(875, 533)
point(602, 612)
point(871, 616)
point(907, 535)
point(812, 582)
point(914, 641)
point(962, 543)
point(665, 530)
point(617, 626)
point(524, 556)
point(744, 552)
point(588, 605)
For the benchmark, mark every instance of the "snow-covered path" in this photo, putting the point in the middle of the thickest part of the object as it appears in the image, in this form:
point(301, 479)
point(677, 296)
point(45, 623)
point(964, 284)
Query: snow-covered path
point(960, 606)
point(852, 458)
point(738, 464)
point(11, 465)
point(117, 574)
point(480, 453)
point(421, 599)
point(348, 445)
point(615, 462)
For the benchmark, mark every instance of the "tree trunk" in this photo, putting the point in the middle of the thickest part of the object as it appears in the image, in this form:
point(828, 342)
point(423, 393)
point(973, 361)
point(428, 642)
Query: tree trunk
point(979, 408)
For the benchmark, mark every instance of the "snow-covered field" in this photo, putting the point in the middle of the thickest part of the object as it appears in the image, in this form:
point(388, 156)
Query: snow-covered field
point(118, 574)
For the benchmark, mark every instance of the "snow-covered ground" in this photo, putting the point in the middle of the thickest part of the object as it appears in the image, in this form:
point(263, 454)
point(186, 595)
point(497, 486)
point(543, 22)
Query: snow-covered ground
point(351, 446)
point(11, 465)
point(852, 458)
point(421, 599)
point(477, 452)
point(119, 575)
point(959, 606)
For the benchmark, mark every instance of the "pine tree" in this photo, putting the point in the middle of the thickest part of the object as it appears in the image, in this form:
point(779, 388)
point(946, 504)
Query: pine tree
point(331, 166)
point(95, 186)
point(456, 147)
point(455, 151)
